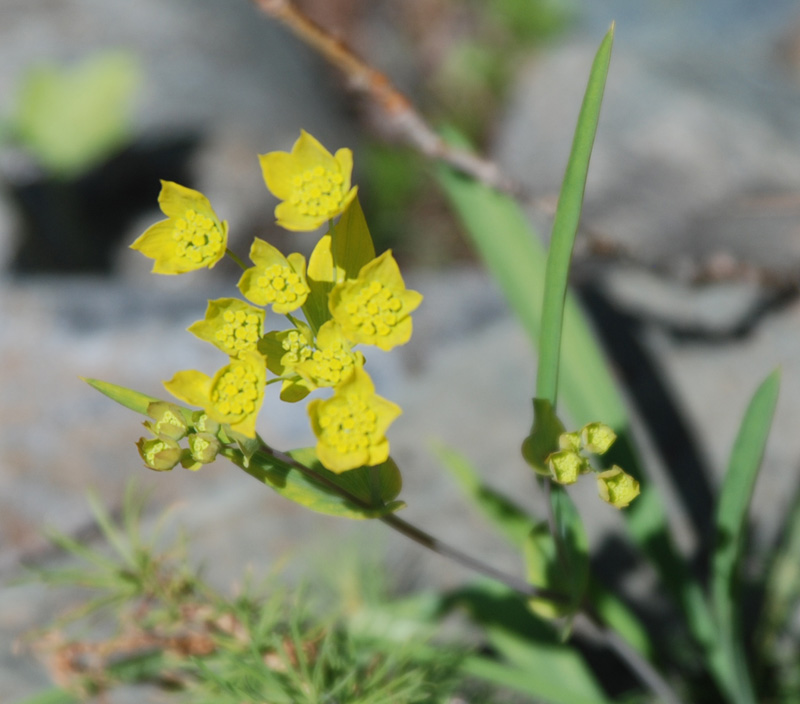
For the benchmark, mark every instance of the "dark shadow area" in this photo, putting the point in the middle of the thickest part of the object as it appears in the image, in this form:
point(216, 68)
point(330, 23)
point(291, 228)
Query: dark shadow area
point(656, 405)
point(75, 226)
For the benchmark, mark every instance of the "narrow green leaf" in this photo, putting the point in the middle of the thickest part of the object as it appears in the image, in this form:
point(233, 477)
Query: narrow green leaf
point(539, 683)
point(115, 537)
point(565, 224)
point(515, 257)
point(511, 520)
point(557, 557)
point(731, 524)
point(781, 594)
point(615, 614)
point(374, 489)
point(129, 398)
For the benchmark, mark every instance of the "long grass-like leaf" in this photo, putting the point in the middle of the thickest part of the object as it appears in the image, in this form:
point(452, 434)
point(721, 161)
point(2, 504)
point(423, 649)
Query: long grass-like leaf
point(515, 257)
point(731, 524)
point(565, 224)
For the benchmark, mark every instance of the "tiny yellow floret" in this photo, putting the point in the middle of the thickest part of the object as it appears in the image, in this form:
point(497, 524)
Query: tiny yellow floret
point(313, 184)
point(275, 280)
point(192, 237)
point(331, 361)
point(351, 425)
point(616, 487)
point(375, 309)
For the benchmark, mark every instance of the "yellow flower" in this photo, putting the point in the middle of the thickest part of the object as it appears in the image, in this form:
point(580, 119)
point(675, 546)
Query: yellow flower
point(313, 184)
point(351, 425)
point(331, 361)
point(233, 396)
point(616, 487)
point(192, 237)
point(274, 280)
point(375, 309)
point(231, 325)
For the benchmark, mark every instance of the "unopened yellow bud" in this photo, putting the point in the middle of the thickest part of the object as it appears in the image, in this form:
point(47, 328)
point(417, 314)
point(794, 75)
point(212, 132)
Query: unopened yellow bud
point(204, 448)
point(597, 438)
point(565, 466)
point(570, 441)
point(616, 487)
point(168, 421)
point(203, 424)
point(160, 454)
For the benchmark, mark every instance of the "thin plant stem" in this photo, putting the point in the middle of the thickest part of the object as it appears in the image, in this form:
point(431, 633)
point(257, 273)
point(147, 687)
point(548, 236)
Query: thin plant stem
point(418, 535)
point(640, 666)
point(236, 258)
point(644, 671)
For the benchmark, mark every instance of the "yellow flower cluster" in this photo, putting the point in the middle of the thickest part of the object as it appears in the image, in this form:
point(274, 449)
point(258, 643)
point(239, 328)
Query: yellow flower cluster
point(347, 295)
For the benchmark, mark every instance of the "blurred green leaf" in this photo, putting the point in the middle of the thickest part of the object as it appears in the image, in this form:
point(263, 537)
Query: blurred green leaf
point(70, 118)
point(557, 557)
point(134, 400)
point(515, 257)
point(511, 520)
point(731, 524)
point(533, 658)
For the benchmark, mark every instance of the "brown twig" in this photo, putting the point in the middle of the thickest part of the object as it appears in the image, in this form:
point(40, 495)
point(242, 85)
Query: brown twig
point(403, 118)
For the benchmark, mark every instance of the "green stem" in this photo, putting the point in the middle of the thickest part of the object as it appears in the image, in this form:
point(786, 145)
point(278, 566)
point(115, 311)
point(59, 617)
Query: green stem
point(412, 532)
point(236, 258)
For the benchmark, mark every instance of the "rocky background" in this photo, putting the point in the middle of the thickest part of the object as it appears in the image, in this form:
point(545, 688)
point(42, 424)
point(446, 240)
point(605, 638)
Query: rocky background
point(688, 265)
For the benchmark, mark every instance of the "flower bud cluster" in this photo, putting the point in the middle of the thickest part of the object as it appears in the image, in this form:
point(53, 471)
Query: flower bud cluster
point(347, 295)
point(169, 426)
point(572, 459)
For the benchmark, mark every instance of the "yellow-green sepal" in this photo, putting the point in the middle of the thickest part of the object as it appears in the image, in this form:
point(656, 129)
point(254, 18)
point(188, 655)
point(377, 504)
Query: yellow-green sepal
point(544, 437)
point(375, 487)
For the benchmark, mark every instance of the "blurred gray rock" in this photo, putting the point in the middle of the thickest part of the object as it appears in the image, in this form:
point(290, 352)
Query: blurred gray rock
point(218, 69)
point(697, 151)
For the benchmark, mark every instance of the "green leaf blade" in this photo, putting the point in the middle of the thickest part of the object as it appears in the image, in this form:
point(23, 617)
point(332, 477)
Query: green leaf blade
point(565, 224)
point(373, 489)
point(509, 519)
point(730, 526)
